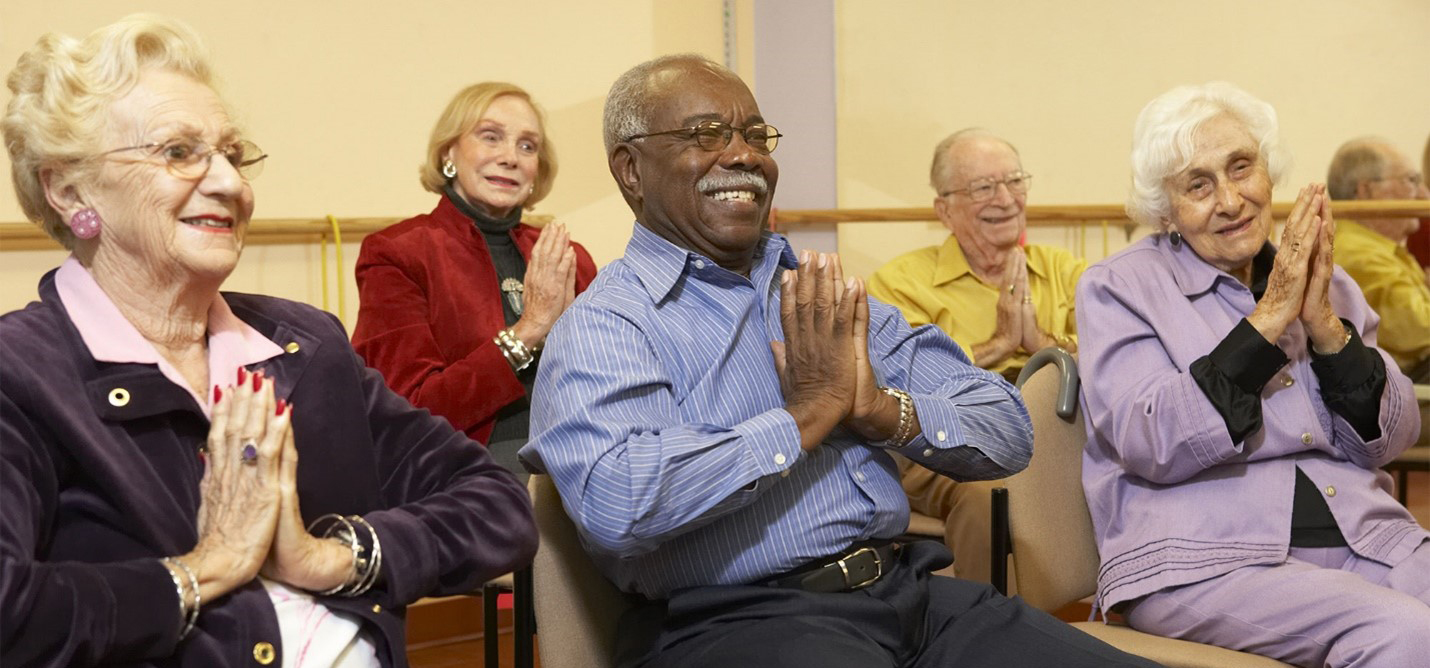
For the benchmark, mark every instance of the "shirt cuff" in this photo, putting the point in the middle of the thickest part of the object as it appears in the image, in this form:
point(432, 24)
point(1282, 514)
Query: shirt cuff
point(1247, 359)
point(1346, 369)
point(773, 440)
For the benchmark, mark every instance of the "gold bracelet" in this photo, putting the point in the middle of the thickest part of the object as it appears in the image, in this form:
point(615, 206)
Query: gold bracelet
point(905, 432)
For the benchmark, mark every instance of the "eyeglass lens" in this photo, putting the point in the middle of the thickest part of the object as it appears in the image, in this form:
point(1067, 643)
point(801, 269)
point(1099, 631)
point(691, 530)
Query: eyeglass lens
point(715, 136)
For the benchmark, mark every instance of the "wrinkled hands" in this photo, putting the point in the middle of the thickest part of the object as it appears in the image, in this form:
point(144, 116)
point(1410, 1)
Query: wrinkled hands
point(549, 285)
point(1016, 326)
point(823, 363)
point(1299, 285)
point(249, 521)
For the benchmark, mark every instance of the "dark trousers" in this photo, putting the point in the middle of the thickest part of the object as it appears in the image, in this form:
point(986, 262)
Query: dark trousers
point(908, 618)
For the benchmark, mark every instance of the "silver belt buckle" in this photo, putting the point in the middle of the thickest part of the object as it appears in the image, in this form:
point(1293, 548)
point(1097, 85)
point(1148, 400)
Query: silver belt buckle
point(878, 569)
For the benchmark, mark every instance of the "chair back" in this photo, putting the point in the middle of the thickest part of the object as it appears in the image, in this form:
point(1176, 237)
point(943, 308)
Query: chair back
point(576, 607)
point(1054, 548)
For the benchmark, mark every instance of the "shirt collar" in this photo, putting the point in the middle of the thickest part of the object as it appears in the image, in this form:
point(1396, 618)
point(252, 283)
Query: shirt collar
point(953, 264)
point(110, 337)
point(1366, 235)
point(660, 265)
point(1194, 275)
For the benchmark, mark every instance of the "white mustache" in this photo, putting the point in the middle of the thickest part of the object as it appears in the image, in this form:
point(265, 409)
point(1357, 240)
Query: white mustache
point(733, 181)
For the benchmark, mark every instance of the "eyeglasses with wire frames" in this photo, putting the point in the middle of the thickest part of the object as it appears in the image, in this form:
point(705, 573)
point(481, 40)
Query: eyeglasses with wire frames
point(983, 190)
point(189, 158)
point(716, 135)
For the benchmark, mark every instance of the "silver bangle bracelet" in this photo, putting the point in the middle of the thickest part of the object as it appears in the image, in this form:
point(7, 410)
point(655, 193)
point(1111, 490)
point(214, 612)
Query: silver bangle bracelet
point(365, 569)
point(373, 565)
point(513, 349)
point(191, 611)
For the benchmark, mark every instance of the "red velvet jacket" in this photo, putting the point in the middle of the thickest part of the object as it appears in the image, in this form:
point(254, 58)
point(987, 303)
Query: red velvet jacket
point(429, 305)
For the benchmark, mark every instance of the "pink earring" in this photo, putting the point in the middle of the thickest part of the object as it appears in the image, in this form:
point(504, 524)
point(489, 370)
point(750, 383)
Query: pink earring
point(86, 223)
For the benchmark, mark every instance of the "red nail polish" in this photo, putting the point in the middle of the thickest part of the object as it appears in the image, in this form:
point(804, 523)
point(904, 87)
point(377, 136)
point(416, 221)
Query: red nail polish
point(217, 394)
point(279, 410)
point(241, 375)
point(257, 381)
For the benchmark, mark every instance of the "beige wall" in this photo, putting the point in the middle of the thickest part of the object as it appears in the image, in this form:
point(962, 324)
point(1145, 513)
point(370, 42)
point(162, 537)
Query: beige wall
point(1065, 80)
point(343, 95)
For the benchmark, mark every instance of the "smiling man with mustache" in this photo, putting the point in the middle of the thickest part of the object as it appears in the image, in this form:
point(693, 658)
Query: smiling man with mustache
point(718, 417)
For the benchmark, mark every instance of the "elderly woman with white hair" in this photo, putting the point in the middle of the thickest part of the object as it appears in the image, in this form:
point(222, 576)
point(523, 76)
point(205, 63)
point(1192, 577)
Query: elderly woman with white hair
point(1238, 410)
point(153, 510)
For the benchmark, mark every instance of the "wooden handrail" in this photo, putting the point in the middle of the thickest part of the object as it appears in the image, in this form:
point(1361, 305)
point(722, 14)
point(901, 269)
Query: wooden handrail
point(1071, 215)
point(272, 231)
point(265, 232)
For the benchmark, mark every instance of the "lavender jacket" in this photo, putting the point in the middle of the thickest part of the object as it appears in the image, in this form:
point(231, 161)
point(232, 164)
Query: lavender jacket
point(94, 491)
point(1173, 500)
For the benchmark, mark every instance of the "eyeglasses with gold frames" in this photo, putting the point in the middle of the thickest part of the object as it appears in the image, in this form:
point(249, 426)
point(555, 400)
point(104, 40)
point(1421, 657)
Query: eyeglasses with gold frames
point(716, 135)
point(983, 190)
point(189, 158)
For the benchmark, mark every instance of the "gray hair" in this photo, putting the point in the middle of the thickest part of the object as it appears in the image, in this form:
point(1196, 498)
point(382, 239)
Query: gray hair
point(628, 110)
point(941, 171)
point(1162, 140)
point(1357, 160)
point(62, 89)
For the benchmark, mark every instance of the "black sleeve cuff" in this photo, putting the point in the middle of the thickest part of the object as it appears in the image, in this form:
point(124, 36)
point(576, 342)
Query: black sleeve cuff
point(1352, 381)
point(1247, 359)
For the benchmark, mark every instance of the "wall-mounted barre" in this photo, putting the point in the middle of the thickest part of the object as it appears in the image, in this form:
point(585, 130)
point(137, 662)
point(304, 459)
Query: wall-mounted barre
point(273, 231)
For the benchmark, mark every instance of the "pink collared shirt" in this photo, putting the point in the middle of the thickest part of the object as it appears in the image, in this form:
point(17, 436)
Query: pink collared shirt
point(110, 337)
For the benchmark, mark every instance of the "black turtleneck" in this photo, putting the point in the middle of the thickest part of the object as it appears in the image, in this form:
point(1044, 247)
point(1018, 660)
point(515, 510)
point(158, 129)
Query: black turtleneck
point(513, 421)
point(506, 257)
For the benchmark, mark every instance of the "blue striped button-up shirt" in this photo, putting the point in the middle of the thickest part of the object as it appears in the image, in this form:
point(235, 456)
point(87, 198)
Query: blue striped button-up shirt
point(659, 416)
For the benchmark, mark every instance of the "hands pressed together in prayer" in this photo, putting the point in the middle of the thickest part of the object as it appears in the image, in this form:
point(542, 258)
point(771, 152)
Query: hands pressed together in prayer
point(1016, 327)
point(823, 362)
point(249, 522)
point(549, 285)
point(1299, 285)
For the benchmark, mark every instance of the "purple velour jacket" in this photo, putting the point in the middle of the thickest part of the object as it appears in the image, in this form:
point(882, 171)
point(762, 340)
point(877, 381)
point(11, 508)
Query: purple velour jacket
point(1173, 499)
point(96, 485)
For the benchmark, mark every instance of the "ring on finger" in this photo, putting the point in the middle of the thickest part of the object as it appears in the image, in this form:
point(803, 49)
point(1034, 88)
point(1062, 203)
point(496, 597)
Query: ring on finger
point(249, 452)
point(1010, 288)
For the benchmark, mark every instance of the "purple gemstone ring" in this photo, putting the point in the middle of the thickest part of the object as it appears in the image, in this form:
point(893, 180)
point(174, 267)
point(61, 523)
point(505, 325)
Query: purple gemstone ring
point(250, 452)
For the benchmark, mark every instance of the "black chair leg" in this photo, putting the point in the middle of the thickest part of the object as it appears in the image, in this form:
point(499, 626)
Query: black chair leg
point(524, 618)
point(999, 541)
point(490, 633)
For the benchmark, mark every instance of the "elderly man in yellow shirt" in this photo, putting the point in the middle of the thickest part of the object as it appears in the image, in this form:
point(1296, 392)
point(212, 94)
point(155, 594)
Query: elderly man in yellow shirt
point(1373, 250)
point(999, 300)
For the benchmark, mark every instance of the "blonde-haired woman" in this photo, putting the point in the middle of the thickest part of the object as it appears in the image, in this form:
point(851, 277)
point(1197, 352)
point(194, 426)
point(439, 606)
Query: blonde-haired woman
point(153, 510)
point(456, 303)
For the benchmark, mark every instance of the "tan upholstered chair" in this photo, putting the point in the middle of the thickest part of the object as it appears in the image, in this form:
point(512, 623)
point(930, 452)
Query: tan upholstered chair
point(1042, 514)
point(1417, 457)
point(576, 607)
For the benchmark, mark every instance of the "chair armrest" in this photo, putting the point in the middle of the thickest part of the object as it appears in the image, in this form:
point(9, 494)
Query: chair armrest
point(1067, 383)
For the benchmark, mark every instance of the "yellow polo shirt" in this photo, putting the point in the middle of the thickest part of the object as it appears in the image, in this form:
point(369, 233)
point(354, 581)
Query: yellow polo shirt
point(1394, 285)
point(936, 286)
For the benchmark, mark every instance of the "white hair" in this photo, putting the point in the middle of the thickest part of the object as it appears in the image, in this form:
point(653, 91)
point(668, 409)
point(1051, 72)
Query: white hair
point(941, 171)
point(62, 91)
point(628, 109)
point(1162, 140)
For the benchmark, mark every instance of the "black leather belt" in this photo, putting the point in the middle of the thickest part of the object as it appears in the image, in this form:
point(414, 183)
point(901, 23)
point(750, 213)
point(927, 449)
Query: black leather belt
point(855, 569)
